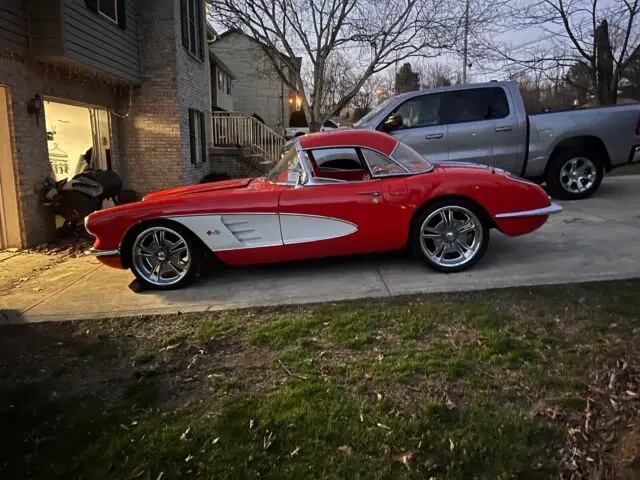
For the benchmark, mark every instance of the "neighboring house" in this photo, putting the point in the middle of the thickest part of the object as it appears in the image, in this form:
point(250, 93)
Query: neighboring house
point(125, 81)
point(257, 87)
point(221, 85)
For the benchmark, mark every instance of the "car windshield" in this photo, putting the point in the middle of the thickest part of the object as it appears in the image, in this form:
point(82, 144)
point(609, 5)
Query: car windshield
point(365, 120)
point(410, 159)
point(288, 170)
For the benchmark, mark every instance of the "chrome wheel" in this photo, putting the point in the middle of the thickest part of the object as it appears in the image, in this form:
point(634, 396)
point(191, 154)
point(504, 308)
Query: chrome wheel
point(451, 236)
point(161, 256)
point(578, 175)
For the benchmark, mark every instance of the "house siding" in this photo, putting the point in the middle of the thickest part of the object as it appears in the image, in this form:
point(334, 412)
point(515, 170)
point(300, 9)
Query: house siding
point(100, 43)
point(46, 28)
point(14, 32)
point(257, 87)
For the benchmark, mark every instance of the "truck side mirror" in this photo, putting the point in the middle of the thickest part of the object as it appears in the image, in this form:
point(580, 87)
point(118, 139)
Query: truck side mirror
point(392, 123)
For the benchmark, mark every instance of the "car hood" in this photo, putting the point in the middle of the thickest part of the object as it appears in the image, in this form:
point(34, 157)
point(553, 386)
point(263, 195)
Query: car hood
point(200, 188)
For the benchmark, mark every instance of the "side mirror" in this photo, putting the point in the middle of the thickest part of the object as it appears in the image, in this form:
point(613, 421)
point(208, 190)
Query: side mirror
point(392, 123)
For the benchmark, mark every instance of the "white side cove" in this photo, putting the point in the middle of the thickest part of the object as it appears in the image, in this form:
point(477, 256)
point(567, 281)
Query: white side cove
point(252, 230)
point(309, 228)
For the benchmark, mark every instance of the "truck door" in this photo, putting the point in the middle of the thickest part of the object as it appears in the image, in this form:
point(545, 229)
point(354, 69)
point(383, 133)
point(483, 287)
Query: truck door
point(422, 127)
point(481, 128)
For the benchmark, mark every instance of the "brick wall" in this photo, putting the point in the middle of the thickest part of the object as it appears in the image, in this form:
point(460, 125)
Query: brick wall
point(232, 162)
point(151, 134)
point(29, 143)
point(156, 136)
point(194, 91)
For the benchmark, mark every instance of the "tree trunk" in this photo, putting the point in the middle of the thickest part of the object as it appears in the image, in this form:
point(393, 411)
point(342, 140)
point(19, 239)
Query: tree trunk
point(607, 89)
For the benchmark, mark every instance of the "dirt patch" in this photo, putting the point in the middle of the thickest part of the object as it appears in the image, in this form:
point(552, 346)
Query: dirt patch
point(627, 453)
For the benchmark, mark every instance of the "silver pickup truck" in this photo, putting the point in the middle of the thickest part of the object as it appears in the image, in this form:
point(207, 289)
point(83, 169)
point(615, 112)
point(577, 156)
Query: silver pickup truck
point(487, 123)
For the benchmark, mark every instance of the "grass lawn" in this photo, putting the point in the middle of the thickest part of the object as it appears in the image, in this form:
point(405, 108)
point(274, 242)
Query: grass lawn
point(521, 383)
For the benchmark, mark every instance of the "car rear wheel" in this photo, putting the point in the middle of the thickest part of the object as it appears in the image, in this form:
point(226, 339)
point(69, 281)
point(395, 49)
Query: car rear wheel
point(450, 236)
point(165, 257)
point(574, 174)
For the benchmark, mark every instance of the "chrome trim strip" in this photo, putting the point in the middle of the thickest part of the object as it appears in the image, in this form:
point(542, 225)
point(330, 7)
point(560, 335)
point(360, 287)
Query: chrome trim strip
point(550, 210)
point(103, 253)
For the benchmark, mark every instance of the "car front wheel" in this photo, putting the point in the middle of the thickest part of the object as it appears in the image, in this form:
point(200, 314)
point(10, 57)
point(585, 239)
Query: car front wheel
point(450, 236)
point(165, 257)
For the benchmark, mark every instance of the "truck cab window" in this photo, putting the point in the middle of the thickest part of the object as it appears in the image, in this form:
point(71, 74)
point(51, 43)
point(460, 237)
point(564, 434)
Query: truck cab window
point(475, 105)
point(418, 112)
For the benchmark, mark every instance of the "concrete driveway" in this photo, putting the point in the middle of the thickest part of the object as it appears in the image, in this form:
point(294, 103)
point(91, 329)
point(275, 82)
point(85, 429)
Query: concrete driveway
point(594, 239)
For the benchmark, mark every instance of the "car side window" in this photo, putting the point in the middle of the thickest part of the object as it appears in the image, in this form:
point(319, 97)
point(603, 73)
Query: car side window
point(337, 159)
point(421, 111)
point(476, 105)
point(379, 164)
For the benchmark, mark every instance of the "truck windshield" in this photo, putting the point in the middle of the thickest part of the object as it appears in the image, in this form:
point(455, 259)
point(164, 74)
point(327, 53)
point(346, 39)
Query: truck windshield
point(288, 170)
point(410, 159)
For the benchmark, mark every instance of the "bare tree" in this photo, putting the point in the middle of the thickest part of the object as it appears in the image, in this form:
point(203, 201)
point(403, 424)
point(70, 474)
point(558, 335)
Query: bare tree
point(365, 98)
point(373, 34)
point(439, 74)
point(604, 36)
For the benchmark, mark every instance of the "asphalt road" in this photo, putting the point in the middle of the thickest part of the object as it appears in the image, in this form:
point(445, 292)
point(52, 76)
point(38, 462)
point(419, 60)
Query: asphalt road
point(593, 239)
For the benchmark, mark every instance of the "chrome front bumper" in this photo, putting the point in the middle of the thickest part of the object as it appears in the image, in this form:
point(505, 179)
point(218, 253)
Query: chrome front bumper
point(550, 210)
point(102, 253)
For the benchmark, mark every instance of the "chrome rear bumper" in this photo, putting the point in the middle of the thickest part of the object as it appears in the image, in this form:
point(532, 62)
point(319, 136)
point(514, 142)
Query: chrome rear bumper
point(550, 210)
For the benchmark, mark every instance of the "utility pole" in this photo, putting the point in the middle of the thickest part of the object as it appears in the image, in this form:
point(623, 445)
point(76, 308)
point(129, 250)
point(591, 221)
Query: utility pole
point(465, 53)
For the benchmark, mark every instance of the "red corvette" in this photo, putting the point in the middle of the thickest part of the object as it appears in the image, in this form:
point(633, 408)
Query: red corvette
point(330, 194)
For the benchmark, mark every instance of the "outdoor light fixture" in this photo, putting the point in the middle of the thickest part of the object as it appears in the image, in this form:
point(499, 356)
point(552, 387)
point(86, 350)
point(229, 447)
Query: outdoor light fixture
point(34, 107)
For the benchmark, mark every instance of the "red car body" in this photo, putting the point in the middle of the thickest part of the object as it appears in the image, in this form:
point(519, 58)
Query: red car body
point(293, 222)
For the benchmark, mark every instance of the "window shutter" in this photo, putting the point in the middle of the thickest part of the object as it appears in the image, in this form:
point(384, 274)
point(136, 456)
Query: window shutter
point(122, 14)
point(192, 135)
point(184, 19)
point(203, 137)
point(200, 37)
point(91, 4)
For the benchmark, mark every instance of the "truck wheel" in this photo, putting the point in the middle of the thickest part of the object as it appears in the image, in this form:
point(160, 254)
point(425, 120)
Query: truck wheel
point(574, 174)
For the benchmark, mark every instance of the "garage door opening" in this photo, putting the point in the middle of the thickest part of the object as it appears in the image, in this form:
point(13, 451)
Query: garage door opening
point(78, 139)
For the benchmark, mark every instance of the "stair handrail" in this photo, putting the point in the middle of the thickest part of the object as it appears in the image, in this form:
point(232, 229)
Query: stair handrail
point(240, 129)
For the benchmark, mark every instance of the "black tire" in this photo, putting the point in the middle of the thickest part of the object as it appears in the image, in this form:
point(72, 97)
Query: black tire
point(555, 175)
point(172, 232)
point(461, 206)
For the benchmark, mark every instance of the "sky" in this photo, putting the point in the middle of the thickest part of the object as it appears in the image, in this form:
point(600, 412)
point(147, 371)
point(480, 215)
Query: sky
point(523, 40)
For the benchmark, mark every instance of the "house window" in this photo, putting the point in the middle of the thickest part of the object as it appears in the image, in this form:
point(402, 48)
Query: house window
point(108, 8)
point(221, 81)
point(197, 136)
point(192, 19)
point(113, 10)
point(228, 86)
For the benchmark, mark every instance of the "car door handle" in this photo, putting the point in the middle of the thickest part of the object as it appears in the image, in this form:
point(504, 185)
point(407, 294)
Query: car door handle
point(434, 136)
point(373, 194)
point(506, 128)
